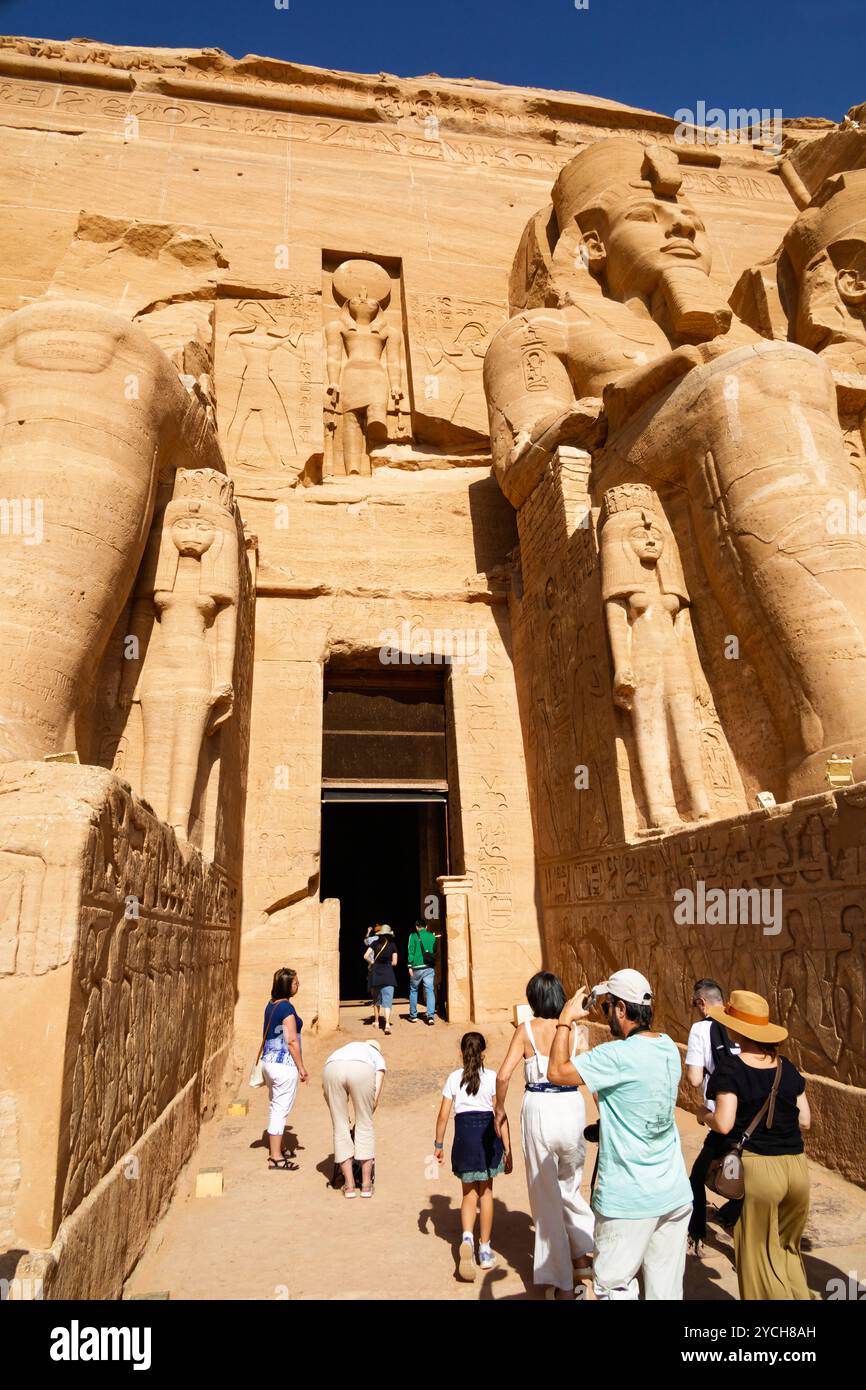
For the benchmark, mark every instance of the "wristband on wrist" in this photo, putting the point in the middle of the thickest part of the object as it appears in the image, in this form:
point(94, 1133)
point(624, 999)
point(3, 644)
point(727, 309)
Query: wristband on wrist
point(436, 1145)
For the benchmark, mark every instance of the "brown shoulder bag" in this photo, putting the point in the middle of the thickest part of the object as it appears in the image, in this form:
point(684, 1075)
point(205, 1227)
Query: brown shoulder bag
point(726, 1174)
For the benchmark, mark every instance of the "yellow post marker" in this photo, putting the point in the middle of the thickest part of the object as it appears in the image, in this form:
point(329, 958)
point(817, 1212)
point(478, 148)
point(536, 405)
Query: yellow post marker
point(209, 1183)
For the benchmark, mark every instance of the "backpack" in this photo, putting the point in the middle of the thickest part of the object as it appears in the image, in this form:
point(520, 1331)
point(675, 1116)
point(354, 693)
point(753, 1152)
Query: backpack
point(720, 1043)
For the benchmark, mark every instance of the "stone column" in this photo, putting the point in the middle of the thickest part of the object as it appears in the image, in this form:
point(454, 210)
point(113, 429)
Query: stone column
point(456, 889)
point(329, 966)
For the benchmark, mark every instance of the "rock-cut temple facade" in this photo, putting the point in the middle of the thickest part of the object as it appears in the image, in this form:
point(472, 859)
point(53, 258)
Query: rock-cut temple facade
point(418, 498)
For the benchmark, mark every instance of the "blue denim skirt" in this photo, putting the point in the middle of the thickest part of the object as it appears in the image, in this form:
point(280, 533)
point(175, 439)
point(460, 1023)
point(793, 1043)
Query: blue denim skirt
point(477, 1153)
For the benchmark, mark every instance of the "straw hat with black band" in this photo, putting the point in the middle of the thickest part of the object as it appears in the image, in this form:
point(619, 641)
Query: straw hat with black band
point(749, 1015)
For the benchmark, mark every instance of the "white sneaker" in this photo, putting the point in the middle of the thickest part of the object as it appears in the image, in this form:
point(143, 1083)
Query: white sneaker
point(487, 1259)
point(466, 1267)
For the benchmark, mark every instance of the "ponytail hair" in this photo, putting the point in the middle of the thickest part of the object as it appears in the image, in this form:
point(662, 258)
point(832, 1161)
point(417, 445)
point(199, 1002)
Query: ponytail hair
point(473, 1047)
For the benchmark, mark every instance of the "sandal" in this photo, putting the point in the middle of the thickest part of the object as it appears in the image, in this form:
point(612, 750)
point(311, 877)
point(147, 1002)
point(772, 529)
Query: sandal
point(282, 1163)
point(349, 1192)
point(366, 1191)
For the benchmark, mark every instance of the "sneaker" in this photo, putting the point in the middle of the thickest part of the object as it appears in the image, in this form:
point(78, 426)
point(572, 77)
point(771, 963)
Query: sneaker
point(413, 1018)
point(430, 1022)
point(487, 1259)
point(466, 1267)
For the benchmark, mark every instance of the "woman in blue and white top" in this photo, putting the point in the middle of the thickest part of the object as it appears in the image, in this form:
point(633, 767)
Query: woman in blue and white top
point(282, 1061)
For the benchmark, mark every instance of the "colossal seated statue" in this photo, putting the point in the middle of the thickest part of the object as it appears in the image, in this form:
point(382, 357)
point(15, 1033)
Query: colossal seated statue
point(639, 359)
point(93, 414)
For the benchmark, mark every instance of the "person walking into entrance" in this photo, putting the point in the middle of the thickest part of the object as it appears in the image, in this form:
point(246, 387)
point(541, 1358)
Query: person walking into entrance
point(642, 1199)
point(478, 1153)
point(282, 1062)
point(708, 1044)
point(382, 958)
point(421, 957)
point(776, 1177)
point(551, 1130)
point(354, 1072)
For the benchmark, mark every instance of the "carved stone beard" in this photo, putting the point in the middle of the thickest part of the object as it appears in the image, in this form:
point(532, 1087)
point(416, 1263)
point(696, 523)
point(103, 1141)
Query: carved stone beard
point(688, 305)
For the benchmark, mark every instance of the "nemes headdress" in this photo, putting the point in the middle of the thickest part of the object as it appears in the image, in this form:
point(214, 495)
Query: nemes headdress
point(837, 213)
point(596, 176)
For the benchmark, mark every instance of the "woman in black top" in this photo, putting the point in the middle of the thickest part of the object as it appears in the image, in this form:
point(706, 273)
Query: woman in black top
point(776, 1204)
point(382, 957)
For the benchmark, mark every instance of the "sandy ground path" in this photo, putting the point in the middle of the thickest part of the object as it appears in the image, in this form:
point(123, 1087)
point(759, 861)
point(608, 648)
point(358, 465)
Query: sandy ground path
point(278, 1235)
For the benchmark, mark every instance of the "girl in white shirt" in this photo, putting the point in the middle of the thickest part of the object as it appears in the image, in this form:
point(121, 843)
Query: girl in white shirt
point(478, 1154)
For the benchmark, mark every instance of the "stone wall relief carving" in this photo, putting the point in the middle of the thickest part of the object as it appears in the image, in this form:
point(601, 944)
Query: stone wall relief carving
point(269, 369)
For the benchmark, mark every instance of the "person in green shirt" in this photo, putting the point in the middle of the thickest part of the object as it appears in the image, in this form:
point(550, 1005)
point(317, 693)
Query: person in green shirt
point(422, 971)
point(642, 1197)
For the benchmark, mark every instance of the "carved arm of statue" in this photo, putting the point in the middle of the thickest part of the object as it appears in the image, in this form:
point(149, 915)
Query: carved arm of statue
point(394, 365)
point(222, 700)
point(333, 360)
point(619, 633)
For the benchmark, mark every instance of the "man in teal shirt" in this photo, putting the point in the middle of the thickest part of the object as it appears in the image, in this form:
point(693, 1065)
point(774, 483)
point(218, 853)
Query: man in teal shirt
point(642, 1198)
point(422, 971)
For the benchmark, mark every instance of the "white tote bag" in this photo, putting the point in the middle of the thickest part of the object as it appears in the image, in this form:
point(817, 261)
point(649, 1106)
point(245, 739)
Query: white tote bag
point(257, 1077)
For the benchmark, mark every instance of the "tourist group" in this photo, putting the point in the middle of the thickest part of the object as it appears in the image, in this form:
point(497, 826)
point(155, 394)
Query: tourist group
point(646, 1212)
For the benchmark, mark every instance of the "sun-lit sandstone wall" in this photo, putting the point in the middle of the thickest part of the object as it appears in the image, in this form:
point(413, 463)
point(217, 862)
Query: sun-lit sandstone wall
point(280, 169)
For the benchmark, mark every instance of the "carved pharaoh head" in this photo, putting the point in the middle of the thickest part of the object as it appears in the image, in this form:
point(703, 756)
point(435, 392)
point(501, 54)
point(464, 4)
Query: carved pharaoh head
point(826, 249)
point(635, 224)
point(636, 539)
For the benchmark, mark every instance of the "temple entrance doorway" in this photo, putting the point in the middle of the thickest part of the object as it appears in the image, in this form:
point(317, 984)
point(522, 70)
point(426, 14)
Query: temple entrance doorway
point(384, 813)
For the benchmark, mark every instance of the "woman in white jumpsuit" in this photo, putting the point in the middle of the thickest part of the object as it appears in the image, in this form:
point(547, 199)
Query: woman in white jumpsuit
point(551, 1127)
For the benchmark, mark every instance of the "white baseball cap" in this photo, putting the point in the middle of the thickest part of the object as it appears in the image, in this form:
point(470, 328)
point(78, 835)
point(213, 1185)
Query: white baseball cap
point(628, 985)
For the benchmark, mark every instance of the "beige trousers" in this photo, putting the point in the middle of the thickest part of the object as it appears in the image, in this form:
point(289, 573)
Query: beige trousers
point(767, 1235)
point(340, 1081)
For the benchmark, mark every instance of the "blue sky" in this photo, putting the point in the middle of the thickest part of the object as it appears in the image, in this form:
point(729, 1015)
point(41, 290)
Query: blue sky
point(806, 57)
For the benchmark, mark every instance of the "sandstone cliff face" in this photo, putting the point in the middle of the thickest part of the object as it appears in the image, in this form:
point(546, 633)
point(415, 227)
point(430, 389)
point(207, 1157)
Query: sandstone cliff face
point(324, 259)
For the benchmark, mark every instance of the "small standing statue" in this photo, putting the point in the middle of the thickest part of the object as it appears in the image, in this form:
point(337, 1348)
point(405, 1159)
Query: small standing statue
point(369, 383)
point(646, 605)
point(187, 598)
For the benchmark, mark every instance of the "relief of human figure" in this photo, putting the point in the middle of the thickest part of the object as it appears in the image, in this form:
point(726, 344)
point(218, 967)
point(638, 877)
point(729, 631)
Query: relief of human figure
point(187, 599)
point(259, 393)
point(364, 364)
point(648, 624)
point(694, 397)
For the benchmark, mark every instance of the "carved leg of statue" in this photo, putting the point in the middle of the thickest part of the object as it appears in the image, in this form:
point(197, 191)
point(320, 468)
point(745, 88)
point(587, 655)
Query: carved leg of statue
point(156, 717)
point(354, 443)
point(682, 713)
point(236, 429)
point(190, 716)
point(651, 736)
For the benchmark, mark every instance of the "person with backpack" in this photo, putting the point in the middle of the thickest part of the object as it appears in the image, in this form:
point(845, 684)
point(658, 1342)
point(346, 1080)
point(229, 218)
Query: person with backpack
point(708, 1044)
point(761, 1108)
point(381, 956)
point(422, 971)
